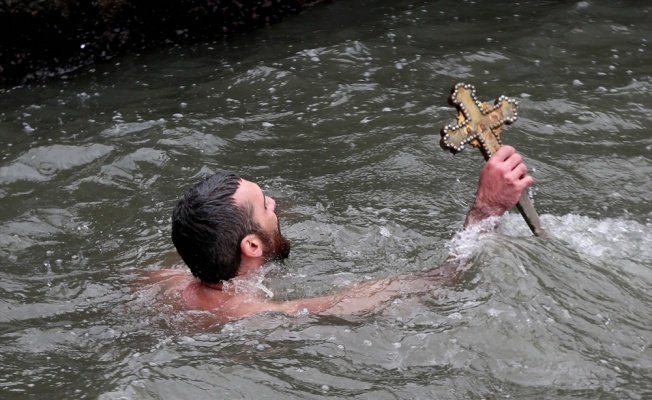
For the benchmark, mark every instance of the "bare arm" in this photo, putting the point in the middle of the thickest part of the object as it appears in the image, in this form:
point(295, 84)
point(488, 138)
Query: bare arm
point(360, 298)
point(364, 297)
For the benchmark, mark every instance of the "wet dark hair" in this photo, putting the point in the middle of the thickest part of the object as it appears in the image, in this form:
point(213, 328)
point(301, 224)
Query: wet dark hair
point(208, 226)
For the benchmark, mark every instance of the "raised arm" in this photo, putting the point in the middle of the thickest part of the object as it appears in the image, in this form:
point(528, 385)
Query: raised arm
point(502, 180)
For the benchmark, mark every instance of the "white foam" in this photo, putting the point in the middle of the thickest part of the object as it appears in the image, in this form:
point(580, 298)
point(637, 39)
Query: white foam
point(465, 242)
point(252, 283)
point(608, 238)
point(615, 241)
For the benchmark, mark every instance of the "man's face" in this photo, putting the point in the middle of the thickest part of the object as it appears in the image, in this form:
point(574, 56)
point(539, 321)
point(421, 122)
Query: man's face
point(275, 245)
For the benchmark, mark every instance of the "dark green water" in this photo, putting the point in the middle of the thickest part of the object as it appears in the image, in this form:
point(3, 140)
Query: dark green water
point(336, 113)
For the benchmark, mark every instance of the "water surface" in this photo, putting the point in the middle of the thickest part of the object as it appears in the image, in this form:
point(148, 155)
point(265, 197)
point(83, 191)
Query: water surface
point(336, 113)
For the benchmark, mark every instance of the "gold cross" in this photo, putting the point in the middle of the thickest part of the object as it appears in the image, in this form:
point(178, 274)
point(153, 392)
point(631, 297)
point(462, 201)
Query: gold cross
point(480, 125)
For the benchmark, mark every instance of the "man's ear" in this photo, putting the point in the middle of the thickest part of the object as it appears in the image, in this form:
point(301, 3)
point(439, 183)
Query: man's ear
point(251, 246)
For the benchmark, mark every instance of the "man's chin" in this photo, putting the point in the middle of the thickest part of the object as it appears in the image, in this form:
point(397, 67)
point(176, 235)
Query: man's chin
point(281, 250)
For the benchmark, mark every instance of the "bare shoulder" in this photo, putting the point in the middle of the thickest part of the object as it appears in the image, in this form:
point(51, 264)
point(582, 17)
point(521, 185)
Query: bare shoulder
point(184, 292)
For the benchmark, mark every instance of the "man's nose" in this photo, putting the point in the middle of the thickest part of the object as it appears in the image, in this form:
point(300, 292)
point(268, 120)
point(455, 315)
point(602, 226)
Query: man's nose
point(271, 203)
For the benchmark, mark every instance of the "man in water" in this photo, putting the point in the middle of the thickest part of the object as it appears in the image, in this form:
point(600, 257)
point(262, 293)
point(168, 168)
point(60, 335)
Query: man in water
point(225, 228)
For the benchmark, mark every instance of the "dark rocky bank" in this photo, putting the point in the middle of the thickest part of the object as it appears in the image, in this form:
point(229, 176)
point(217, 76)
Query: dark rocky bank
point(41, 39)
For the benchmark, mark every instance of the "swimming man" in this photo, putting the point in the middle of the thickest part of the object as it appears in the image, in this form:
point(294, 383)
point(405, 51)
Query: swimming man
point(225, 228)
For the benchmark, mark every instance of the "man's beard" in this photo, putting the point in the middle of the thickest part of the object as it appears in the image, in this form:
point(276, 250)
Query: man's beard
point(276, 246)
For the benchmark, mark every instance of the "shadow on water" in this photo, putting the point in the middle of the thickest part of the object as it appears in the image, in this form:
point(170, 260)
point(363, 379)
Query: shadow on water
point(336, 114)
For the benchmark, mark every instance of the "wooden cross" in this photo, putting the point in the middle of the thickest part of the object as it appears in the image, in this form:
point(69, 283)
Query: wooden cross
point(480, 125)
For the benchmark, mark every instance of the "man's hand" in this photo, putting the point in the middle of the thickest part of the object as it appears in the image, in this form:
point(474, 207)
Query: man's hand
point(502, 180)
